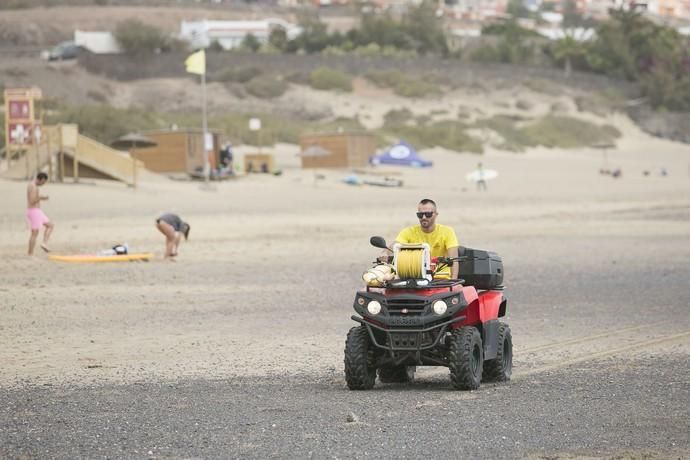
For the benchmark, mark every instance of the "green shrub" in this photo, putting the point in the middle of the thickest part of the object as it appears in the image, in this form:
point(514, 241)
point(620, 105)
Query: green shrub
point(416, 88)
point(384, 78)
point(611, 131)
point(539, 85)
point(328, 79)
point(103, 122)
point(485, 53)
point(236, 74)
point(250, 43)
point(515, 139)
point(397, 117)
point(446, 134)
point(266, 87)
point(97, 96)
point(404, 85)
point(372, 49)
point(333, 51)
point(550, 131)
point(135, 37)
point(15, 5)
point(16, 72)
point(216, 47)
point(568, 132)
point(298, 78)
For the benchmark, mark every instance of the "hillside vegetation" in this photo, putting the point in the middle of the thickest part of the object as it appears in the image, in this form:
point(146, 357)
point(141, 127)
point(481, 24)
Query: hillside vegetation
point(628, 47)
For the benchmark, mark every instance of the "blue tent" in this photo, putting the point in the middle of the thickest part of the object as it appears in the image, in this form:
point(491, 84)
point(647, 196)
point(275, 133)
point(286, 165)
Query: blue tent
point(402, 154)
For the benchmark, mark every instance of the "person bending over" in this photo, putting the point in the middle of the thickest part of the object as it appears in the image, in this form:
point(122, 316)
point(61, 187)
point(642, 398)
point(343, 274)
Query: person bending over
point(173, 228)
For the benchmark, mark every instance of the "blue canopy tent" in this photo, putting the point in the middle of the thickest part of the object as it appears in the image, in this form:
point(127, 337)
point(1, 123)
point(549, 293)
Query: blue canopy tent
point(402, 154)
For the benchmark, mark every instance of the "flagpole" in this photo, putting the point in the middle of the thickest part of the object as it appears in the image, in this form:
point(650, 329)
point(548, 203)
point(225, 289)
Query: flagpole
point(207, 166)
point(196, 63)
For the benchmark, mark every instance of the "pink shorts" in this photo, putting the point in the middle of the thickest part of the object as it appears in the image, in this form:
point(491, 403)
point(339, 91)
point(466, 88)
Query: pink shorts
point(37, 218)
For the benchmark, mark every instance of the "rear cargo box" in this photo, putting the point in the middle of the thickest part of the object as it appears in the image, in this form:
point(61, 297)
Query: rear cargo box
point(481, 269)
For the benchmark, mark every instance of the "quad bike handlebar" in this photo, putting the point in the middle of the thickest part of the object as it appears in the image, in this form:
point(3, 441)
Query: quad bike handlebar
point(441, 262)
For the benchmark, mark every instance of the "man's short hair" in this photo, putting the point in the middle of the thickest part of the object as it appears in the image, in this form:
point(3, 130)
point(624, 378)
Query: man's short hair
point(42, 176)
point(428, 201)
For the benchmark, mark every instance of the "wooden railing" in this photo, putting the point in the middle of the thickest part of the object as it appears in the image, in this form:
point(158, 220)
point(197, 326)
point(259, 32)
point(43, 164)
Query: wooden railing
point(24, 164)
point(64, 140)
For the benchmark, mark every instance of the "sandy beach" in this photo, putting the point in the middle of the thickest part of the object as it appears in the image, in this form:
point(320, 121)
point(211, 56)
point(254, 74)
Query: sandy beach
point(236, 350)
point(259, 240)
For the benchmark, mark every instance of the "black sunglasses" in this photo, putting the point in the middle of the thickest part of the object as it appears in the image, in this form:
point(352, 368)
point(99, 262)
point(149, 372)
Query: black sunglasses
point(428, 215)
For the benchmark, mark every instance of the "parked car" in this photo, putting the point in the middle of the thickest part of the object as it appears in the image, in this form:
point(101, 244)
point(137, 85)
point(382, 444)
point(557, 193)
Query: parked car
point(65, 50)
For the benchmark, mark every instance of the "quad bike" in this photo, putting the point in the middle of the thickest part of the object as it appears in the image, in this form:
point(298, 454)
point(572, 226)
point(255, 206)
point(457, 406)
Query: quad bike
point(409, 318)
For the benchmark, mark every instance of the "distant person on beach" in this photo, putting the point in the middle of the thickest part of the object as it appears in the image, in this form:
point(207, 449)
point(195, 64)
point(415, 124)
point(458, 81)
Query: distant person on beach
point(481, 177)
point(226, 157)
point(35, 214)
point(173, 228)
point(441, 238)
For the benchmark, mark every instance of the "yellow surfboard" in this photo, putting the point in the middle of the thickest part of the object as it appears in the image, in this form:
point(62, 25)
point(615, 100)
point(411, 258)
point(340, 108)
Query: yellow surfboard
point(137, 256)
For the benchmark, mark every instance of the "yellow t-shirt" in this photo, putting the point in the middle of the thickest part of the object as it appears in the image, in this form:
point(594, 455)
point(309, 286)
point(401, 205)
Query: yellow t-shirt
point(440, 240)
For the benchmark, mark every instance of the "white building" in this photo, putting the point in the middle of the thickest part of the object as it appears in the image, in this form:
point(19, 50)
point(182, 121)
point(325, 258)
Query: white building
point(97, 42)
point(229, 34)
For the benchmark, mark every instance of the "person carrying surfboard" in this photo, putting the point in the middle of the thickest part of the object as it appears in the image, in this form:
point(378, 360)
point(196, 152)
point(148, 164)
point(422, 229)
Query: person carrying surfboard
point(173, 227)
point(35, 215)
point(481, 182)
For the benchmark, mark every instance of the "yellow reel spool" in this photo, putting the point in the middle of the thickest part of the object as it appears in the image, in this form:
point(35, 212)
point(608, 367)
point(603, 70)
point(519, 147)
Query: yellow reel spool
point(411, 264)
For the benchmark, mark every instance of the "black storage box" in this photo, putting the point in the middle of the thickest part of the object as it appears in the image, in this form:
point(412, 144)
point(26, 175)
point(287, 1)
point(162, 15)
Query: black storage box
point(481, 269)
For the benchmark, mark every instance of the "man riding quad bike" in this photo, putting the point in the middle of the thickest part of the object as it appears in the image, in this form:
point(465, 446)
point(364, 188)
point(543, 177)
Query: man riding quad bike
point(407, 319)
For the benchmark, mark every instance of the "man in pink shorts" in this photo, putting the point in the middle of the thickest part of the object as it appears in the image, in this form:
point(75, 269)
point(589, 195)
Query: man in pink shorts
point(35, 214)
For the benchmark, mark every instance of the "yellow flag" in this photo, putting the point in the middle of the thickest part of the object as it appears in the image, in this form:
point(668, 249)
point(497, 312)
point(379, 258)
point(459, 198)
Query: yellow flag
point(196, 63)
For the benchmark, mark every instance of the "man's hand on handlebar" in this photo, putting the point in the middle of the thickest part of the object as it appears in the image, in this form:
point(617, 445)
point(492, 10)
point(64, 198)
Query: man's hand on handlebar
point(385, 257)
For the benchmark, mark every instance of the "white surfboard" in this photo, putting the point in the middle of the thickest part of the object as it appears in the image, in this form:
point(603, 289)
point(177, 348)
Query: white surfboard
point(485, 174)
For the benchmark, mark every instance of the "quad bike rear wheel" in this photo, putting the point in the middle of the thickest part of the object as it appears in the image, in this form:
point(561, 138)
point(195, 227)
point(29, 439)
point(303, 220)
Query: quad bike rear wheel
point(466, 358)
point(397, 374)
point(360, 371)
point(501, 368)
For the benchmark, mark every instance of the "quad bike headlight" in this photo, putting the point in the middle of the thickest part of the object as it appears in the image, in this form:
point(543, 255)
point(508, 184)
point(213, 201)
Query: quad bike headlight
point(440, 307)
point(374, 307)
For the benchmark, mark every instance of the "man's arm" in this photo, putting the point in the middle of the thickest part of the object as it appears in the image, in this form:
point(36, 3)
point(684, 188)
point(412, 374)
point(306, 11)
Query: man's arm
point(455, 267)
point(400, 239)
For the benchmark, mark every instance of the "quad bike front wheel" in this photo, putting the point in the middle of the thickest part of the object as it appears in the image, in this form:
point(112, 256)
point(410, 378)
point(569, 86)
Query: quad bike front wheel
point(360, 371)
point(501, 368)
point(397, 374)
point(466, 358)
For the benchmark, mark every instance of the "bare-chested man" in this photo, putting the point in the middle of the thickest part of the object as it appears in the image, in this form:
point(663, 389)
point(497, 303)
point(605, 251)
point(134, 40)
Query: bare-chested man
point(35, 214)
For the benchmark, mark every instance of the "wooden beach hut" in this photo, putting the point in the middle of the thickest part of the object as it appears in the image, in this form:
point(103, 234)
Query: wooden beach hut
point(177, 151)
point(336, 150)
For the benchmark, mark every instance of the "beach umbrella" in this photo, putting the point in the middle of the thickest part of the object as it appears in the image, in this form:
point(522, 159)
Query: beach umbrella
point(133, 141)
point(604, 146)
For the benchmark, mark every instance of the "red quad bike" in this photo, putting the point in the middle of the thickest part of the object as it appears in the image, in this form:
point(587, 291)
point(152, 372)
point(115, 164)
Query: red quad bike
point(417, 320)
